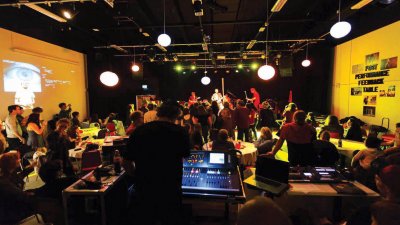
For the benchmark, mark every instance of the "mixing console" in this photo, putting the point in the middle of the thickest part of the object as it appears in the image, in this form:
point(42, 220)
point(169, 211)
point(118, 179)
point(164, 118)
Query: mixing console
point(210, 172)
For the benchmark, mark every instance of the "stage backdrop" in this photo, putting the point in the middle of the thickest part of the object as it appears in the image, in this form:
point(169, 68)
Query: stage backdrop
point(35, 73)
point(366, 80)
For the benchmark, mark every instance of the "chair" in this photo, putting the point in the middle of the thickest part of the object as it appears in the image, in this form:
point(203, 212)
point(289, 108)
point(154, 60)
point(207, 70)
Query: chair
point(32, 220)
point(90, 160)
point(102, 133)
point(334, 135)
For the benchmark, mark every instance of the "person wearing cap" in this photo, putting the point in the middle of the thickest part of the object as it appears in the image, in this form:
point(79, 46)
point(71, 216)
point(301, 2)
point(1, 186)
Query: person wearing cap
point(164, 144)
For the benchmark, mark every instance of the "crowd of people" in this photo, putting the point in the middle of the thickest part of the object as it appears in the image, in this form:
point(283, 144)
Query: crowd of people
point(188, 126)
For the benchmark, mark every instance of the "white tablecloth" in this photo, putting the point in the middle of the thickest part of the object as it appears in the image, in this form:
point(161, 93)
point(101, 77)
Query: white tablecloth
point(248, 150)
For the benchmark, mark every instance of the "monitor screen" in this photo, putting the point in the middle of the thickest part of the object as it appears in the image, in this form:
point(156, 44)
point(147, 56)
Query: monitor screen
point(217, 158)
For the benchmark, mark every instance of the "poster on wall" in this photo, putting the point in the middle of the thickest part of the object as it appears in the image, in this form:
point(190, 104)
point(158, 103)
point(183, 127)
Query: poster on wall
point(391, 92)
point(369, 100)
point(389, 63)
point(356, 91)
point(382, 93)
point(372, 59)
point(369, 111)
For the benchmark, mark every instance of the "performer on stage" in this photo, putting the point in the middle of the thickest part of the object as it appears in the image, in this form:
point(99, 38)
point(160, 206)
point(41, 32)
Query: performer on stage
point(255, 99)
point(192, 99)
point(218, 98)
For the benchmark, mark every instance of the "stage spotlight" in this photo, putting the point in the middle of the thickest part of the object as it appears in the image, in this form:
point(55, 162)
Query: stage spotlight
point(227, 71)
point(184, 72)
point(193, 67)
point(178, 68)
point(254, 66)
point(236, 71)
point(215, 71)
point(240, 66)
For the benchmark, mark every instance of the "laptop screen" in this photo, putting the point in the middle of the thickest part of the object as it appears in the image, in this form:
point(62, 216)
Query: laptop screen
point(272, 169)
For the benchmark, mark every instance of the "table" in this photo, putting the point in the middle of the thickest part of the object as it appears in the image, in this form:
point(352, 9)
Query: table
point(348, 146)
point(108, 184)
point(314, 196)
point(77, 152)
point(248, 150)
point(90, 132)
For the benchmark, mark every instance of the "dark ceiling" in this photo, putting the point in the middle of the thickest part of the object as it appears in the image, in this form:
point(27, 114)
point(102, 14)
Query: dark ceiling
point(224, 22)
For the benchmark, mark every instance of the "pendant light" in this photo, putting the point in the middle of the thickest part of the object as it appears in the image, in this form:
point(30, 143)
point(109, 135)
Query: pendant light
point(205, 80)
point(266, 71)
point(306, 62)
point(164, 39)
point(341, 28)
point(135, 67)
point(109, 78)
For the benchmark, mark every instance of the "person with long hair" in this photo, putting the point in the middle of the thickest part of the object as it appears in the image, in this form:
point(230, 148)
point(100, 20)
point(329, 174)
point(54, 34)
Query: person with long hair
point(35, 130)
point(265, 143)
point(354, 131)
point(332, 125)
point(289, 113)
point(226, 115)
point(15, 204)
point(58, 145)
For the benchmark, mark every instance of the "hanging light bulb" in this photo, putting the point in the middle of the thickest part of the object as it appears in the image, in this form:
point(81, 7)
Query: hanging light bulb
point(205, 80)
point(109, 78)
point(341, 28)
point(306, 62)
point(135, 67)
point(163, 39)
point(266, 71)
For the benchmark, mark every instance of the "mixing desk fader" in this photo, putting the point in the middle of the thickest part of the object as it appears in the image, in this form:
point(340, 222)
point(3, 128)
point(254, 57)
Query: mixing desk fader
point(210, 172)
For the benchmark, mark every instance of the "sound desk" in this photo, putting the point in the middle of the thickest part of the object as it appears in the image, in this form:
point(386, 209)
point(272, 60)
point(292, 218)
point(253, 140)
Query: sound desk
point(213, 174)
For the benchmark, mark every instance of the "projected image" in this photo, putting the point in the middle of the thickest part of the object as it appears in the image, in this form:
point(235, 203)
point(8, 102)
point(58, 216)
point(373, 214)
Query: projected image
point(23, 79)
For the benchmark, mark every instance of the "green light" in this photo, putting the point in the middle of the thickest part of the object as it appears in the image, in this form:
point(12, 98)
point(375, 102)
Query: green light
point(193, 67)
point(240, 66)
point(254, 66)
point(178, 68)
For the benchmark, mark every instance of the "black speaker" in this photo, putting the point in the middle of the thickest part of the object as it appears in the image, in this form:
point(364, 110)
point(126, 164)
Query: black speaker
point(286, 66)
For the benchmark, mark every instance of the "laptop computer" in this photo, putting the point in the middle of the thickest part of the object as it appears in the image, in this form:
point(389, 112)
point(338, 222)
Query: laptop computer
point(271, 176)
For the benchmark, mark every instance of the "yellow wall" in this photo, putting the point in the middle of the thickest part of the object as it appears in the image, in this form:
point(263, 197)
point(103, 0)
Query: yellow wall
point(385, 41)
point(55, 63)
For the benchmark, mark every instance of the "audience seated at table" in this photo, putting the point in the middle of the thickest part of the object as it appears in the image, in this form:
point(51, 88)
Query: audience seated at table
point(333, 127)
point(361, 162)
point(14, 203)
point(265, 142)
point(58, 145)
point(299, 136)
point(262, 211)
point(354, 130)
point(75, 119)
point(327, 153)
point(310, 119)
point(3, 141)
point(223, 143)
point(395, 143)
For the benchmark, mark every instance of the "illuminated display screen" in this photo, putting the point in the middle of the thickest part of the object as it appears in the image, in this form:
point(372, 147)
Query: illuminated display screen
point(217, 158)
